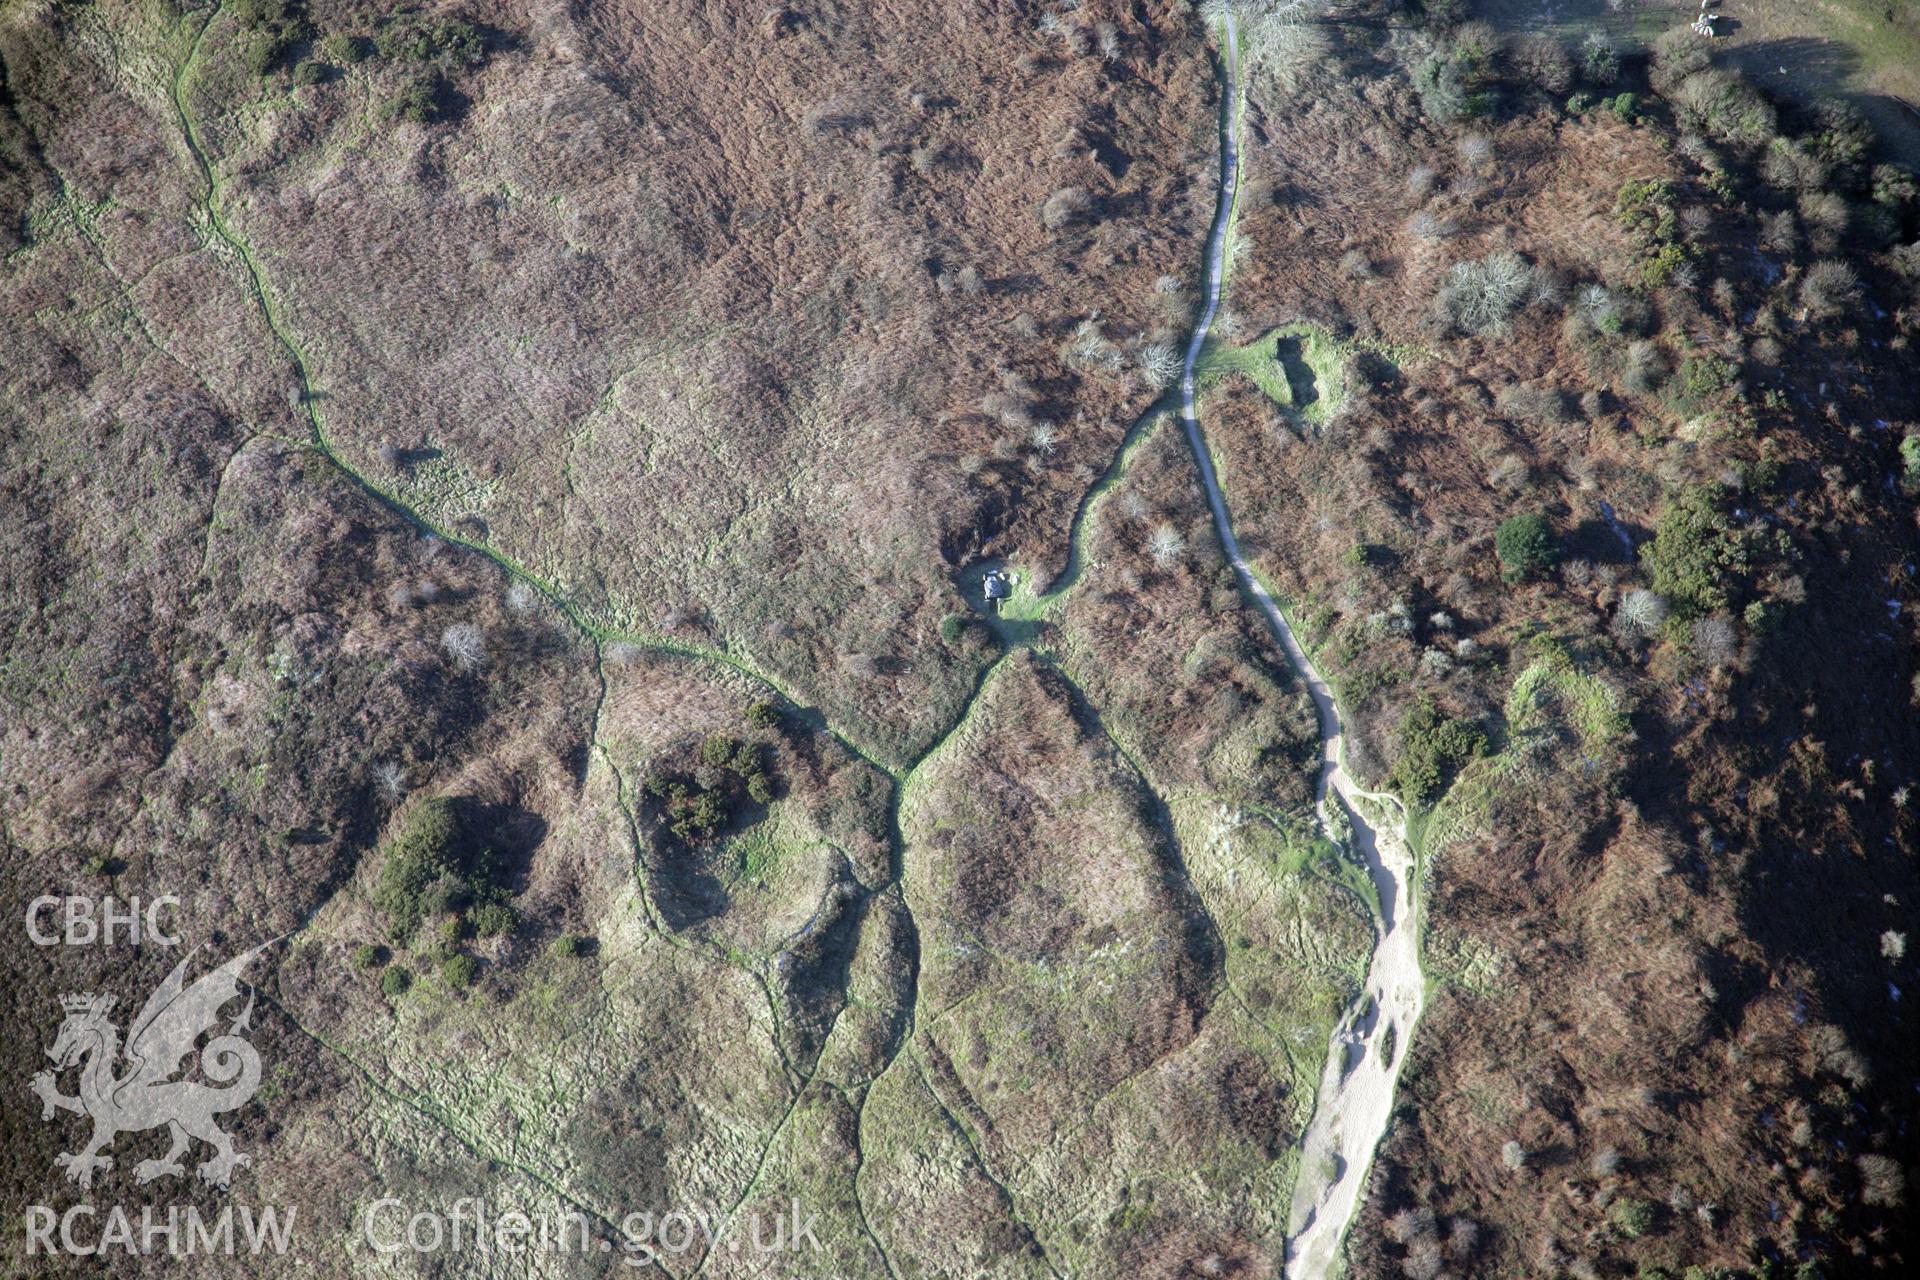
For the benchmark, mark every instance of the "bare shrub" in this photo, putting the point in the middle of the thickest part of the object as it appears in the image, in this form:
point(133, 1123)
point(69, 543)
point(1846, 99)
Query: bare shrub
point(1543, 406)
point(1677, 54)
point(928, 158)
point(1463, 1237)
point(1779, 232)
point(1065, 207)
point(466, 644)
point(1605, 1162)
point(1549, 290)
point(834, 117)
point(1432, 226)
point(1409, 1225)
point(1424, 1260)
point(1513, 1156)
point(1599, 306)
point(1716, 641)
point(1881, 1181)
point(1481, 295)
point(1091, 350)
point(1841, 134)
point(1509, 473)
point(1905, 261)
point(1646, 368)
point(1830, 287)
point(1476, 149)
point(1354, 265)
point(1278, 37)
point(1420, 180)
point(1599, 60)
point(1837, 1055)
point(414, 595)
point(1543, 61)
point(1791, 167)
point(677, 616)
point(1824, 215)
point(1722, 105)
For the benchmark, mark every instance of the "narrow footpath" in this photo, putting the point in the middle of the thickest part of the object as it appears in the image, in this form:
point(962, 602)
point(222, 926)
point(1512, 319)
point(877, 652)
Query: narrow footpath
point(1355, 1099)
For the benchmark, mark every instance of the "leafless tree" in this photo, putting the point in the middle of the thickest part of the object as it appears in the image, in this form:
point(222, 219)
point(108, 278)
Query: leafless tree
point(1641, 613)
point(1431, 226)
point(391, 778)
point(1716, 642)
point(1481, 295)
point(466, 644)
point(1159, 365)
point(1165, 545)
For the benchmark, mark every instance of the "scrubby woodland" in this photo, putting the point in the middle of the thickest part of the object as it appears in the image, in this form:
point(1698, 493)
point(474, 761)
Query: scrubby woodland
point(499, 495)
point(1613, 562)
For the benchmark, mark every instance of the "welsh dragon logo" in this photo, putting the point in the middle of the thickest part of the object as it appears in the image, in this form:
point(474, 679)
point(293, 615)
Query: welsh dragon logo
point(148, 1095)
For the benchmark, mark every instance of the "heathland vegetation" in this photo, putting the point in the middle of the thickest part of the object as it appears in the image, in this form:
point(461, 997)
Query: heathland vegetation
point(508, 513)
